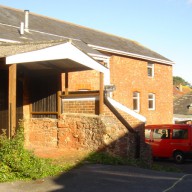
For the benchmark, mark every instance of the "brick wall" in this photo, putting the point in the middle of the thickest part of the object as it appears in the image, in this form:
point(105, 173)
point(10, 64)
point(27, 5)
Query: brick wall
point(130, 75)
point(81, 106)
point(88, 80)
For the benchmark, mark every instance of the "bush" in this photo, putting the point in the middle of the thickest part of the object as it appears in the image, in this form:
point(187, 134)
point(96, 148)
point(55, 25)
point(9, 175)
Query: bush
point(18, 163)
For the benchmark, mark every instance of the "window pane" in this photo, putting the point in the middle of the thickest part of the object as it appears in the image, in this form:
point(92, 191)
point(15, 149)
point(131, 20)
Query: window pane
point(150, 104)
point(150, 73)
point(135, 94)
point(161, 134)
point(135, 104)
point(147, 133)
point(136, 101)
point(151, 101)
point(150, 69)
point(180, 134)
point(150, 96)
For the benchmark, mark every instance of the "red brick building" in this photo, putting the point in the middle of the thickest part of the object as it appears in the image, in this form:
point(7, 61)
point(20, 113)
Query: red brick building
point(55, 74)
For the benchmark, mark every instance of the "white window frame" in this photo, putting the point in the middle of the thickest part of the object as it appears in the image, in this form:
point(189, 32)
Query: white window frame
point(151, 100)
point(150, 66)
point(137, 99)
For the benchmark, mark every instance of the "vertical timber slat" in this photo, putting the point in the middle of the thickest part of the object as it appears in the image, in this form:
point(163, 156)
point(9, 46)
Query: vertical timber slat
point(12, 99)
point(59, 102)
point(66, 83)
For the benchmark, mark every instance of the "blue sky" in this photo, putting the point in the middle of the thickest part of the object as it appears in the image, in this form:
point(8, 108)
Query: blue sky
point(164, 26)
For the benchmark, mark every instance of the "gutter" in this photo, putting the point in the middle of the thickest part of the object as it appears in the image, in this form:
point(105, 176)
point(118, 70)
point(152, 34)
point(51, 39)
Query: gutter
point(131, 54)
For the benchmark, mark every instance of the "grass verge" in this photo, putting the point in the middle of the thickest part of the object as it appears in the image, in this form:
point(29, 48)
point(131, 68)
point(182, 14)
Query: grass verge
point(104, 158)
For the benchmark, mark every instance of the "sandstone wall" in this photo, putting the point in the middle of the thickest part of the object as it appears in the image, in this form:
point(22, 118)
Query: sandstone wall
point(85, 132)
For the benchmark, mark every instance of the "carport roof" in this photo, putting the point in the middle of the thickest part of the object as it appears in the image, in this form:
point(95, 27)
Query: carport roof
point(64, 56)
point(8, 49)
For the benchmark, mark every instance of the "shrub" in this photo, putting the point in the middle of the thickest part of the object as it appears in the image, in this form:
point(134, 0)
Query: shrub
point(18, 163)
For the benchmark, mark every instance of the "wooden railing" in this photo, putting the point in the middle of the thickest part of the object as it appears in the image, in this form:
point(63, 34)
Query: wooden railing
point(59, 97)
point(56, 112)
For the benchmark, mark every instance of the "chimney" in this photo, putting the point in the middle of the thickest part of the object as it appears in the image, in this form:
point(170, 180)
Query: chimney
point(26, 20)
point(22, 28)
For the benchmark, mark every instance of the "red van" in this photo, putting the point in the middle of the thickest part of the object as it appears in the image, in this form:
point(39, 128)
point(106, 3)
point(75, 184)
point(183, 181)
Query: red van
point(170, 141)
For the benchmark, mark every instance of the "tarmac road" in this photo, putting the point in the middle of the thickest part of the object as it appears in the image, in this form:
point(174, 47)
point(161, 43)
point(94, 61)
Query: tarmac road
point(106, 178)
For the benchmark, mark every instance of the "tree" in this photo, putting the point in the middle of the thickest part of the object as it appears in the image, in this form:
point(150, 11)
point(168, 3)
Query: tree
point(179, 80)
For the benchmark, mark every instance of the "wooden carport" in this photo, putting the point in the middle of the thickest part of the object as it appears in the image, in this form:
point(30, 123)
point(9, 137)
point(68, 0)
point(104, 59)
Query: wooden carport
point(62, 57)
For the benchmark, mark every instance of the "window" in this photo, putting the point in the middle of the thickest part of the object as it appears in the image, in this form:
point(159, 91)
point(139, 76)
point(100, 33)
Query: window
point(150, 69)
point(161, 134)
point(151, 101)
point(136, 101)
point(147, 133)
point(180, 134)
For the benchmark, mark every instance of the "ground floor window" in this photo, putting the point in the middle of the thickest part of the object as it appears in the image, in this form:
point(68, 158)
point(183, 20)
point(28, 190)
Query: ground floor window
point(136, 101)
point(151, 101)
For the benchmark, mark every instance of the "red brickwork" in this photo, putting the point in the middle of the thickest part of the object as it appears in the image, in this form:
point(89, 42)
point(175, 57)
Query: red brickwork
point(80, 106)
point(86, 80)
point(130, 75)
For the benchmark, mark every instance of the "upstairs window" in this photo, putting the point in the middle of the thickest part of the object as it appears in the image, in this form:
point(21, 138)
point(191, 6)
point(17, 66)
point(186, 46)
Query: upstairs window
point(150, 69)
point(136, 101)
point(151, 101)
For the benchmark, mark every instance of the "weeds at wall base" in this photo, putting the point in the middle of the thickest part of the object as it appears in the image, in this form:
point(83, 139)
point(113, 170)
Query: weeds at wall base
point(18, 163)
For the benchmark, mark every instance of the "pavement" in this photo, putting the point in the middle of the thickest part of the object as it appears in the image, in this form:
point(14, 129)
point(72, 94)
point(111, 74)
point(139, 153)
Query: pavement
point(106, 178)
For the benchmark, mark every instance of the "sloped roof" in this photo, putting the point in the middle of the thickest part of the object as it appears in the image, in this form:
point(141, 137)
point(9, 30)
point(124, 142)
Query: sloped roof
point(180, 90)
point(42, 28)
point(7, 49)
point(182, 104)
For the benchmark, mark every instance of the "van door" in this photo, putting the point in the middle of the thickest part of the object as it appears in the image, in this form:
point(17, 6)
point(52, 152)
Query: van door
point(181, 139)
point(160, 143)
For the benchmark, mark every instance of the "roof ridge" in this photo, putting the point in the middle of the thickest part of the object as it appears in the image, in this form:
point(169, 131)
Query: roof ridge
point(4, 6)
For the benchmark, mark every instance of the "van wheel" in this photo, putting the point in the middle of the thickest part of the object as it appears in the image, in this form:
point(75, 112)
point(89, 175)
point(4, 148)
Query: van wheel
point(178, 157)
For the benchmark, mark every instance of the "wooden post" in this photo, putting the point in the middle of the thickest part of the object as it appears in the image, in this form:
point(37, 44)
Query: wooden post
point(66, 83)
point(12, 99)
point(101, 94)
point(59, 102)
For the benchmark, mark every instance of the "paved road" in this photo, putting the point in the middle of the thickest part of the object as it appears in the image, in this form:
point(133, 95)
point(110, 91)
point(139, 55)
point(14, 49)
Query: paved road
point(106, 178)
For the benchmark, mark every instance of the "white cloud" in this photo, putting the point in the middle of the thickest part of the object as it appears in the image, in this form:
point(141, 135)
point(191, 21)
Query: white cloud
point(189, 1)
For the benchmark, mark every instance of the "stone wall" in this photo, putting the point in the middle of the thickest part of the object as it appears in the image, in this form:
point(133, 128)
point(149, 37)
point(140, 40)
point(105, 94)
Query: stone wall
point(84, 132)
point(41, 132)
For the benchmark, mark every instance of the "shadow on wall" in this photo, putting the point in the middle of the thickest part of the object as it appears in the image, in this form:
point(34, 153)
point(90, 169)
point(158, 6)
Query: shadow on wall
point(95, 177)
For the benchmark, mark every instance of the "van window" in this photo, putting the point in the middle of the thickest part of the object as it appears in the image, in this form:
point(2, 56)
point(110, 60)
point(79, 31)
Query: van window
point(180, 134)
point(161, 134)
point(147, 133)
